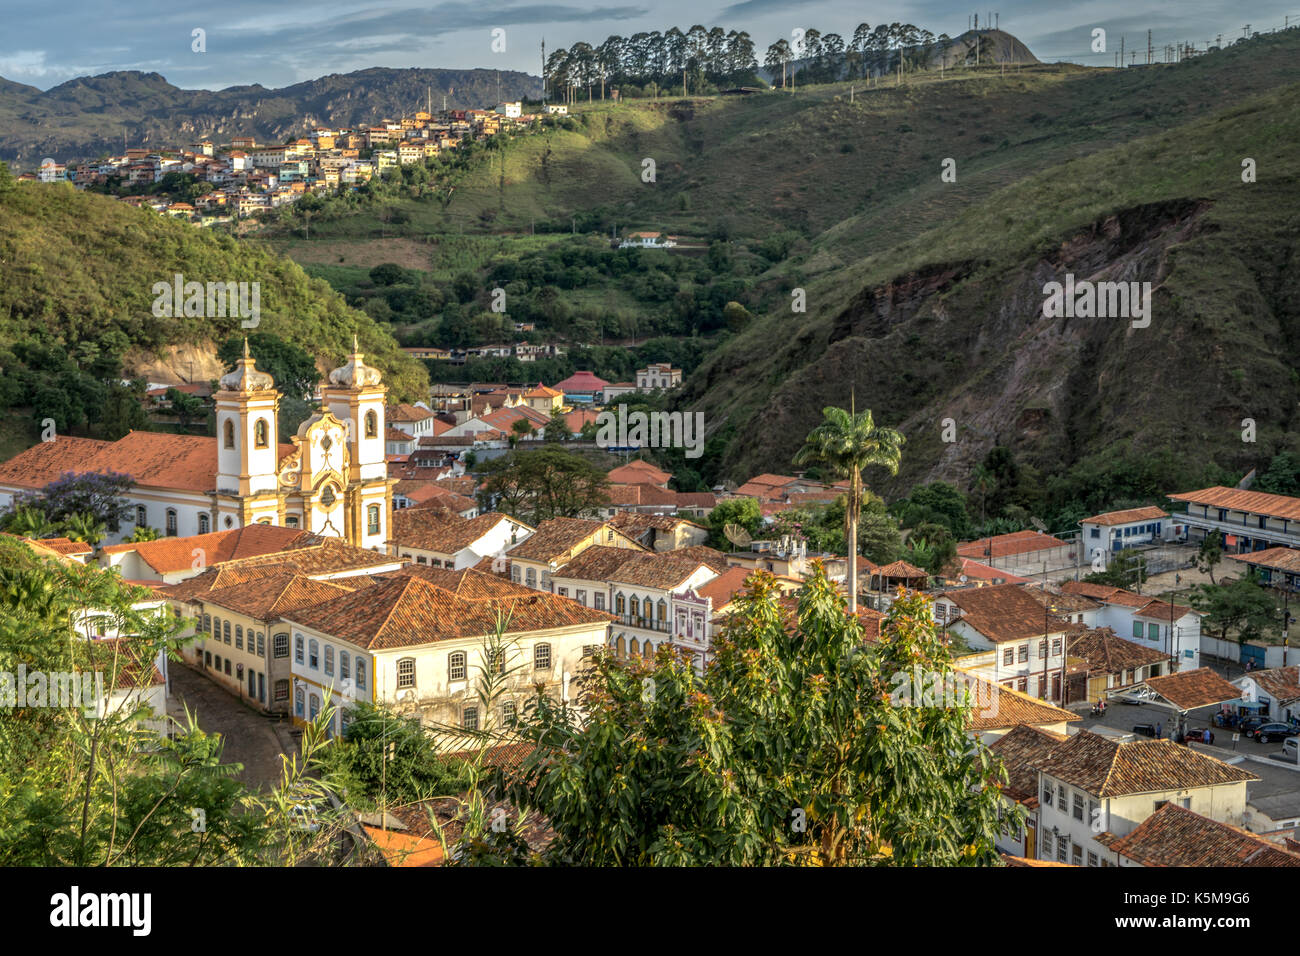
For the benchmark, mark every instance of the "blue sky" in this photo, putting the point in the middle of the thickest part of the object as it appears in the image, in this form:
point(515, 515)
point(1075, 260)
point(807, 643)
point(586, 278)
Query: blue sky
point(275, 44)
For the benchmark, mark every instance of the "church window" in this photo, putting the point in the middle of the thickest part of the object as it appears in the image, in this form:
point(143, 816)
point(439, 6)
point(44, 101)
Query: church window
point(228, 430)
point(171, 522)
point(205, 524)
point(260, 433)
point(372, 519)
point(372, 425)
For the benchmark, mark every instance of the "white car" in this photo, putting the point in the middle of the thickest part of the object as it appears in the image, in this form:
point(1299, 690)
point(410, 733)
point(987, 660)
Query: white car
point(1289, 747)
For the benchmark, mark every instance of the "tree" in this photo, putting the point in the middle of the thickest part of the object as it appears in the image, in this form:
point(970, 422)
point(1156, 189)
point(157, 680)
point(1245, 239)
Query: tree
point(143, 533)
point(520, 428)
point(738, 511)
point(99, 495)
point(387, 273)
point(1127, 569)
point(7, 181)
point(1209, 554)
point(557, 429)
point(85, 528)
point(847, 442)
point(1240, 605)
point(188, 408)
point(937, 503)
point(801, 745)
point(292, 368)
point(543, 484)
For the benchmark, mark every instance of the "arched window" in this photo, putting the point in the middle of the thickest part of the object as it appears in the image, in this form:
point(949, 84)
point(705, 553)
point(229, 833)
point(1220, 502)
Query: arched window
point(297, 649)
point(261, 431)
point(648, 651)
point(315, 707)
point(406, 672)
point(329, 660)
point(345, 671)
point(216, 628)
point(456, 665)
point(620, 646)
point(361, 674)
point(205, 524)
point(633, 647)
point(663, 611)
point(299, 701)
point(261, 644)
point(372, 425)
point(313, 654)
point(281, 690)
point(239, 637)
point(225, 632)
point(228, 433)
point(171, 522)
point(372, 518)
point(634, 606)
point(141, 515)
point(619, 603)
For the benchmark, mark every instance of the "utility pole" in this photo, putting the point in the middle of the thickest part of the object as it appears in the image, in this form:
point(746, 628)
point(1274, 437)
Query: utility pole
point(1148, 48)
point(543, 74)
point(1121, 51)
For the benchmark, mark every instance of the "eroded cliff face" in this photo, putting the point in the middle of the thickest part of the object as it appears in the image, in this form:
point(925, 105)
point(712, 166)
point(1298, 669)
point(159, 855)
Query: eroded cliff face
point(176, 364)
point(967, 346)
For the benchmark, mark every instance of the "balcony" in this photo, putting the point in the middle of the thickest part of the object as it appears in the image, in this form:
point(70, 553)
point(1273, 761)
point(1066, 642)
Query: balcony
point(645, 623)
point(1245, 528)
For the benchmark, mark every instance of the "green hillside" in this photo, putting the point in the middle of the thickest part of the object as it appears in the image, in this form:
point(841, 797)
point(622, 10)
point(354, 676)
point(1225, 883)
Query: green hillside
point(77, 272)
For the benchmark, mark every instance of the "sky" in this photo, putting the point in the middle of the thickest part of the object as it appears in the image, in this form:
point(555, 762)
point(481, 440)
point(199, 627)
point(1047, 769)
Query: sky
point(277, 44)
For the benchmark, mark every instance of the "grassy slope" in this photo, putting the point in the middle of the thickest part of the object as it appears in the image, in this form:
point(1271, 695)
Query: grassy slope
point(77, 267)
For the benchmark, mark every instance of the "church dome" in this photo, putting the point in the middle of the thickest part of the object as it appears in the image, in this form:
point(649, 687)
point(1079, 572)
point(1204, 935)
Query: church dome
point(246, 377)
point(356, 374)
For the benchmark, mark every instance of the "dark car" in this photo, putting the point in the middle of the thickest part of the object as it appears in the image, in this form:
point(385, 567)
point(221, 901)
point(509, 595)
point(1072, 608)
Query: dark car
point(1146, 730)
point(1248, 725)
point(1267, 733)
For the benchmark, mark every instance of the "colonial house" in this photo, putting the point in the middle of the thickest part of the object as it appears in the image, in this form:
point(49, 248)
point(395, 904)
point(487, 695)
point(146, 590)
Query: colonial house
point(1276, 690)
point(638, 472)
point(660, 532)
point(1112, 662)
point(398, 444)
point(1105, 535)
point(555, 543)
point(1018, 749)
point(1094, 789)
point(1246, 520)
point(658, 375)
point(545, 400)
point(172, 560)
point(1022, 642)
point(444, 540)
point(416, 420)
point(1174, 630)
point(1177, 836)
point(1276, 567)
point(423, 649)
point(641, 591)
point(331, 480)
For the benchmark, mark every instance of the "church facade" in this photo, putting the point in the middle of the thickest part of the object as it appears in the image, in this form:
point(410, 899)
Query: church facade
point(331, 479)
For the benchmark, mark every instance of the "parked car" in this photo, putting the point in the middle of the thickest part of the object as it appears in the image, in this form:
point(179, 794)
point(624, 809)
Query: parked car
point(1289, 746)
point(1146, 730)
point(1248, 725)
point(1267, 733)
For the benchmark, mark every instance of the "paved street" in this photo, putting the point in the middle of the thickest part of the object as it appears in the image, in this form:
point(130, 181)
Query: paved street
point(250, 738)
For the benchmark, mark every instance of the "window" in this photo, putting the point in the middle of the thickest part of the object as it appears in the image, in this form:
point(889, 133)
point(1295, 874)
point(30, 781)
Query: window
point(1062, 848)
point(260, 434)
point(313, 654)
point(1060, 797)
point(562, 592)
point(1153, 632)
point(530, 578)
point(580, 597)
point(1042, 650)
point(329, 660)
point(514, 572)
point(1137, 629)
point(299, 701)
point(1047, 795)
point(508, 712)
point(469, 718)
point(345, 668)
point(1078, 806)
point(599, 600)
point(279, 645)
point(281, 690)
point(634, 607)
point(297, 649)
point(291, 521)
point(1022, 685)
point(217, 661)
point(239, 637)
point(372, 518)
point(406, 672)
point(1009, 656)
point(205, 524)
point(542, 657)
point(456, 665)
point(1076, 854)
point(171, 522)
point(496, 660)
point(1160, 803)
point(1095, 533)
point(1092, 858)
point(662, 612)
point(609, 535)
point(227, 666)
point(1056, 646)
point(372, 425)
point(361, 674)
point(206, 625)
point(141, 515)
point(228, 433)
point(225, 632)
point(590, 650)
point(1023, 654)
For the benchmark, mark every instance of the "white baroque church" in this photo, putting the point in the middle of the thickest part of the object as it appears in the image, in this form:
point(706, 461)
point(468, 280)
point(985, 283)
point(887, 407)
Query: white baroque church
point(332, 479)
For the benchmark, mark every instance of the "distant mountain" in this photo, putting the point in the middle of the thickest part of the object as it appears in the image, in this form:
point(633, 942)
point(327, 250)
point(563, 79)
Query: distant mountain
point(92, 115)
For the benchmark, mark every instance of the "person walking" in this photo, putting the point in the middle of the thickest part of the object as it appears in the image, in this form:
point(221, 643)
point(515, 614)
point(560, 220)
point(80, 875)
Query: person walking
point(1159, 731)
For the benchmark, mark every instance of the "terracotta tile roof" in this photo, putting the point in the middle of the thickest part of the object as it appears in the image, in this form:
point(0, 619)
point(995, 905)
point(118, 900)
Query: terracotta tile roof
point(555, 538)
point(997, 707)
point(725, 586)
point(1283, 559)
point(1128, 516)
point(436, 530)
point(1110, 768)
point(635, 523)
point(394, 434)
point(1234, 499)
point(447, 504)
point(273, 592)
point(1280, 683)
point(64, 546)
point(765, 487)
point(1105, 593)
point(1003, 545)
point(696, 499)
point(638, 472)
point(1108, 653)
point(582, 382)
point(1004, 612)
point(137, 668)
point(1188, 690)
point(597, 563)
point(48, 460)
point(169, 555)
point(543, 391)
point(406, 413)
point(1162, 610)
point(1017, 749)
point(666, 570)
point(1067, 602)
point(475, 582)
point(408, 611)
point(982, 572)
point(1175, 836)
point(901, 569)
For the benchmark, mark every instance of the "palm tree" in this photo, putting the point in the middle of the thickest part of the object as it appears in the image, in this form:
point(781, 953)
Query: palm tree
point(84, 527)
point(30, 522)
point(846, 442)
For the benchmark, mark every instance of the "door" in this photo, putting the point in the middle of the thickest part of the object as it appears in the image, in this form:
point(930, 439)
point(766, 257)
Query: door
point(261, 688)
point(252, 684)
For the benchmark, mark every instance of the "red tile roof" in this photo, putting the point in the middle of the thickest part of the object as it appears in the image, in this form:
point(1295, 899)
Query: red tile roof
point(1234, 499)
point(582, 382)
point(1105, 767)
point(1003, 545)
point(638, 472)
point(1004, 612)
point(1127, 516)
point(1176, 836)
point(169, 555)
point(1188, 690)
